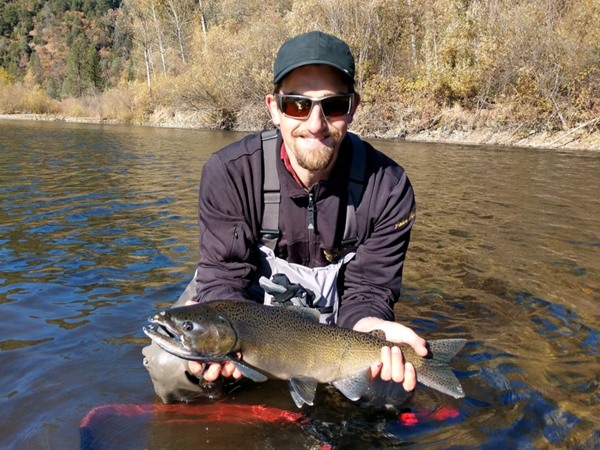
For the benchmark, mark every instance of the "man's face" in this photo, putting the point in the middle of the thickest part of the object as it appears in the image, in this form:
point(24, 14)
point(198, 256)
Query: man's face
point(313, 143)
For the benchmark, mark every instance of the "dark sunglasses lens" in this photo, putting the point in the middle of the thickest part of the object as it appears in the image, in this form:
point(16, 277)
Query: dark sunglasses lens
point(300, 107)
point(295, 106)
point(336, 106)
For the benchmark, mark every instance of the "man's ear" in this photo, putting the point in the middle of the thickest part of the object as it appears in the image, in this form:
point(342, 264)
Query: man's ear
point(271, 102)
point(355, 104)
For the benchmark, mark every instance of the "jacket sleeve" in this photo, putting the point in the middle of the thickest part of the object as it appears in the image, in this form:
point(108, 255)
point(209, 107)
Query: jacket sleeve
point(372, 280)
point(227, 261)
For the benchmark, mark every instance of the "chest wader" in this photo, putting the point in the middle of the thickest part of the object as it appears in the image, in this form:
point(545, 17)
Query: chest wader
point(293, 283)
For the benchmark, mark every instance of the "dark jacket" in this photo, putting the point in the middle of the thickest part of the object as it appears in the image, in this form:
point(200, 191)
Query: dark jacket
point(230, 211)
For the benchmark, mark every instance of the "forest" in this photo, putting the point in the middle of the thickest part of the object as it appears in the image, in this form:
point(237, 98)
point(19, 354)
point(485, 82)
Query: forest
point(517, 67)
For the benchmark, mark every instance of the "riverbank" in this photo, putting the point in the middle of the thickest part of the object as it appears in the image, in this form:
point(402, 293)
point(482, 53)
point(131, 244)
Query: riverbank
point(577, 138)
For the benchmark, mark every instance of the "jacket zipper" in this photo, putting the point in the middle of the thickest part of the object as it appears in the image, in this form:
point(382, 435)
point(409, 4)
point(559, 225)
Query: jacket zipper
point(311, 212)
point(311, 225)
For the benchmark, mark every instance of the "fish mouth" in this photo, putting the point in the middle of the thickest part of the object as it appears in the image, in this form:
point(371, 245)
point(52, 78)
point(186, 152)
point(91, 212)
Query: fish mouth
point(160, 331)
point(160, 325)
point(167, 337)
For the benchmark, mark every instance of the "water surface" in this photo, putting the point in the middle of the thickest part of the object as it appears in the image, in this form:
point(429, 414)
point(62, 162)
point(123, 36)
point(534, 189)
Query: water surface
point(98, 231)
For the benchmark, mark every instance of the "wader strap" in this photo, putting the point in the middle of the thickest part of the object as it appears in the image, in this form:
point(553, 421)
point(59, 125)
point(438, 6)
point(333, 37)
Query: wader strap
point(355, 191)
point(269, 233)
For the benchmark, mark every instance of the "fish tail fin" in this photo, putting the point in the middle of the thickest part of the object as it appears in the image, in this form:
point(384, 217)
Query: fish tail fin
point(434, 371)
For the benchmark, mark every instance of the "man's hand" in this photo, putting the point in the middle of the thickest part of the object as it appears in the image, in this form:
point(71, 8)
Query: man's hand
point(213, 370)
point(392, 365)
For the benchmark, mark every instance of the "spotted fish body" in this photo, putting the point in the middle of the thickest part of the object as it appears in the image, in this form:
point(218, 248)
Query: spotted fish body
point(290, 344)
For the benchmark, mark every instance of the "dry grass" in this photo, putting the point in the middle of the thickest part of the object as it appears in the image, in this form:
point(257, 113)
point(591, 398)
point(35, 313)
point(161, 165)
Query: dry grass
point(18, 99)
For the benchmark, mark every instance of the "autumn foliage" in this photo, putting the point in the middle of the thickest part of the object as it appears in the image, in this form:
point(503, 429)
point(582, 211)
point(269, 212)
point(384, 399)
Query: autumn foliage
point(422, 64)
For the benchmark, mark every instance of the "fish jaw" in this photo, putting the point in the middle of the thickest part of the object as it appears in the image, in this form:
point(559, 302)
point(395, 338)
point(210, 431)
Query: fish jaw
point(211, 340)
point(165, 333)
point(170, 343)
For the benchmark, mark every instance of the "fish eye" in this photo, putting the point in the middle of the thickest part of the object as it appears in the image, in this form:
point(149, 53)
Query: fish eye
point(187, 326)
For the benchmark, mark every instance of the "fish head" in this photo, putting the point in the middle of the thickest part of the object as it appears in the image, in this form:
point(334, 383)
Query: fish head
point(193, 332)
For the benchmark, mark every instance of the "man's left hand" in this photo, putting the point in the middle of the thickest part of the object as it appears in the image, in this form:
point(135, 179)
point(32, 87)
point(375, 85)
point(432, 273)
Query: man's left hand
point(392, 365)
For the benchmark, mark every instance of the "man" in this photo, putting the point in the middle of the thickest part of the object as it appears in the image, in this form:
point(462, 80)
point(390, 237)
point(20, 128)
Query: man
point(340, 223)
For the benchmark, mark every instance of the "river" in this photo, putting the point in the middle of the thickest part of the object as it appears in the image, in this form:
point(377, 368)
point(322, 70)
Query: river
point(98, 231)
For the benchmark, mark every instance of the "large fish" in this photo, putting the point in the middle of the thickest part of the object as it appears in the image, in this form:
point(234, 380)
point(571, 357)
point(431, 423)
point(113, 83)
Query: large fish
point(289, 343)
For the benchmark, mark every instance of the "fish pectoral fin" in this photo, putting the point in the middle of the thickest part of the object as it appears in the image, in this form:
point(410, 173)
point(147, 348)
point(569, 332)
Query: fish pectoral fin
point(247, 371)
point(303, 390)
point(354, 386)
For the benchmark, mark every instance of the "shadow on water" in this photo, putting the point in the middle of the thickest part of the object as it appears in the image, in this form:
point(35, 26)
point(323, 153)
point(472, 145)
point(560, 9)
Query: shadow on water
point(98, 231)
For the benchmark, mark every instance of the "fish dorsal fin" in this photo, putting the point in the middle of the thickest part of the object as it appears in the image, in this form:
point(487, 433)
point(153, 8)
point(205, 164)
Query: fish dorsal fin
point(307, 313)
point(247, 371)
point(354, 386)
point(303, 390)
point(379, 334)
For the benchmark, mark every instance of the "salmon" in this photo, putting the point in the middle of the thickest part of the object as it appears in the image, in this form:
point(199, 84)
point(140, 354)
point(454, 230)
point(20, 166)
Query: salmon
point(289, 343)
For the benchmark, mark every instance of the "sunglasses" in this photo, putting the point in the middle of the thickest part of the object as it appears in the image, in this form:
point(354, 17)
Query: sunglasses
point(300, 107)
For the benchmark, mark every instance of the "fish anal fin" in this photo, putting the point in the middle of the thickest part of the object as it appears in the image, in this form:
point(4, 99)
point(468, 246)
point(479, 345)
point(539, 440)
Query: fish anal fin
point(303, 390)
point(354, 386)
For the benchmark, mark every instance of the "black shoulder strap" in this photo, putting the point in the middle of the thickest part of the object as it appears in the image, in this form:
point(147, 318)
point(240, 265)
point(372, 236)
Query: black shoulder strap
point(356, 186)
point(269, 233)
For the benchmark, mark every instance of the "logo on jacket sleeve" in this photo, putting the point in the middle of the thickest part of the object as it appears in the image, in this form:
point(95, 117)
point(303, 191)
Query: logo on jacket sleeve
point(401, 224)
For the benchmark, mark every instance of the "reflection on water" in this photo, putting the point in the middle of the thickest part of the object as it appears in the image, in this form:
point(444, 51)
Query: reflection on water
point(98, 231)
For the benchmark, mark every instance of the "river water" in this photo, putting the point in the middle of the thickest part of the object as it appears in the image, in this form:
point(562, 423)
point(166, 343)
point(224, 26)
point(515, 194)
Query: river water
point(98, 232)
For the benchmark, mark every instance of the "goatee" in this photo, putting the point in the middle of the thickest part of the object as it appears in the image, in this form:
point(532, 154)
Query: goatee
point(316, 159)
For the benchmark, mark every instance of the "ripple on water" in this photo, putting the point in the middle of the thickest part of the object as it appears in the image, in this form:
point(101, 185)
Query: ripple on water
point(98, 231)
point(16, 344)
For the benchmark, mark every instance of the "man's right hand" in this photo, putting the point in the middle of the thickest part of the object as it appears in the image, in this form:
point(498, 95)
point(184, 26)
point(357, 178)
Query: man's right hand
point(213, 370)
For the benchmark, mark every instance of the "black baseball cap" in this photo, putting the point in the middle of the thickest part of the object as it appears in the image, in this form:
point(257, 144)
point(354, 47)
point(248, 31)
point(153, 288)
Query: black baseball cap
point(314, 47)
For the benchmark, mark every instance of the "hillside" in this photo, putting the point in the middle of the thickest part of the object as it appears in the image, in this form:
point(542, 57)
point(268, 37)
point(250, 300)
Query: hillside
point(508, 71)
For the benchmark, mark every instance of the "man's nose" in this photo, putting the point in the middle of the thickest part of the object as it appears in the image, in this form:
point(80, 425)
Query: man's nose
point(316, 119)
